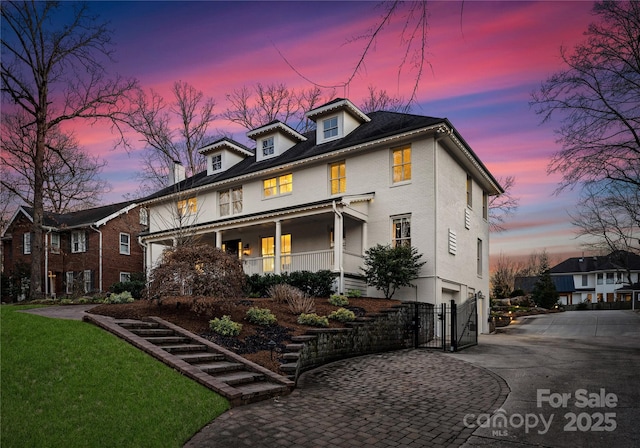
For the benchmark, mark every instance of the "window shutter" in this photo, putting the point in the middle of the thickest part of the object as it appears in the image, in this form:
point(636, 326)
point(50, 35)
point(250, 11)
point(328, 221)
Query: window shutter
point(86, 241)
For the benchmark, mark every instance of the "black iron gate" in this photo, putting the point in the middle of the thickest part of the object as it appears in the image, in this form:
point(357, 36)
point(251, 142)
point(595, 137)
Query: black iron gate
point(447, 326)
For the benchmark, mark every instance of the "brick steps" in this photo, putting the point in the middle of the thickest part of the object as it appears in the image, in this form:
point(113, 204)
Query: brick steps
point(238, 379)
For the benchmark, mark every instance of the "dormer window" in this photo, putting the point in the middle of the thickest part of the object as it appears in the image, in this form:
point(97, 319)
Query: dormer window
point(268, 147)
point(216, 162)
point(330, 127)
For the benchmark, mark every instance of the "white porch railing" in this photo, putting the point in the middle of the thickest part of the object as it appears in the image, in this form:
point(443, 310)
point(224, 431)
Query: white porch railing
point(303, 261)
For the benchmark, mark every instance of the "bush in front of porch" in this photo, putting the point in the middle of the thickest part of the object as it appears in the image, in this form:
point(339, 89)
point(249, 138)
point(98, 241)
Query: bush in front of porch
point(313, 284)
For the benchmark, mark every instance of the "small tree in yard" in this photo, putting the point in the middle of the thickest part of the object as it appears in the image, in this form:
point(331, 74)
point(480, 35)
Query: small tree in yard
point(544, 292)
point(197, 270)
point(389, 268)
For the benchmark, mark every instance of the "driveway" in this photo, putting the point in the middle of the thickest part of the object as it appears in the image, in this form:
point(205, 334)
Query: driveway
point(573, 379)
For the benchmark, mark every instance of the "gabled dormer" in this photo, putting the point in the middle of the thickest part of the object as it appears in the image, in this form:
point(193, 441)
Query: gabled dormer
point(336, 119)
point(274, 139)
point(223, 154)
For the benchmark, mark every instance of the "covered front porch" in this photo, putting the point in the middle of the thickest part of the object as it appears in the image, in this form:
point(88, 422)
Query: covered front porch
point(330, 235)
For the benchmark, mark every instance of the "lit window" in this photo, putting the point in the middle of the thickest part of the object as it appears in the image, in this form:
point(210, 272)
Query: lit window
point(55, 243)
point(230, 201)
point(401, 229)
point(187, 206)
point(78, 242)
point(469, 191)
point(278, 185)
point(338, 177)
point(125, 244)
point(216, 162)
point(401, 164)
point(268, 252)
point(268, 148)
point(26, 243)
point(330, 127)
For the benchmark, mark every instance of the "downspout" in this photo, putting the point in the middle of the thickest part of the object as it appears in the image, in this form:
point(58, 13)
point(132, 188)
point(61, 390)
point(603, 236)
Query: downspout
point(444, 132)
point(99, 257)
point(47, 279)
point(144, 259)
point(340, 248)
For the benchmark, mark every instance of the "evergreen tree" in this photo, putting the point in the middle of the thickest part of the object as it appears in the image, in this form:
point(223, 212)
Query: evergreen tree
point(389, 268)
point(544, 291)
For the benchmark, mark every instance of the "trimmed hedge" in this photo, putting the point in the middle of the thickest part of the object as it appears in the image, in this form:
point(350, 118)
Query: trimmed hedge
point(313, 284)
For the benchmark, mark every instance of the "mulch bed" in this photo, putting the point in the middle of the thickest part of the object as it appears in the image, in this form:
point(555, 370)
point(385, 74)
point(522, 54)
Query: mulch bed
point(194, 314)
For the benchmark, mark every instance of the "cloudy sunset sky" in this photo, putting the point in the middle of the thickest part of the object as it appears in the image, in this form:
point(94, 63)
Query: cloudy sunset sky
point(485, 60)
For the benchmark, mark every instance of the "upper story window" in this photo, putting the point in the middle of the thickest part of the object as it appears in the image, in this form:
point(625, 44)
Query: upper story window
point(585, 280)
point(230, 201)
point(144, 216)
point(55, 243)
point(278, 185)
point(469, 191)
point(599, 278)
point(330, 127)
point(401, 231)
point(78, 241)
point(187, 206)
point(610, 278)
point(125, 244)
point(479, 258)
point(338, 174)
point(26, 243)
point(401, 164)
point(268, 147)
point(485, 205)
point(216, 162)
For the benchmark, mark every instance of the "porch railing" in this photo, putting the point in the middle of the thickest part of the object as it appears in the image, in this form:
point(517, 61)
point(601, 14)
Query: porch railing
point(302, 261)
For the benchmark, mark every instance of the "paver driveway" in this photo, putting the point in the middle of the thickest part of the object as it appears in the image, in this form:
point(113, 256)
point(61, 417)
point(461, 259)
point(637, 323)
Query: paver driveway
point(408, 398)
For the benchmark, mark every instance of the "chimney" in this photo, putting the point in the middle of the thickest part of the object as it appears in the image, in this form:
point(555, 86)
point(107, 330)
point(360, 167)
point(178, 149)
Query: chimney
point(177, 173)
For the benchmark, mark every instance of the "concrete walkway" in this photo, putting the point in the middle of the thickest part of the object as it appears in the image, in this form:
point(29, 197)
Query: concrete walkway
point(72, 312)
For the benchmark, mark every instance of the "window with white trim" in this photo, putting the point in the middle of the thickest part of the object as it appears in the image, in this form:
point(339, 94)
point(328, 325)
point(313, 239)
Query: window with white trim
point(230, 201)
point(330, 127)
point(125, 244)
point(69, 285)
point(216, 162)
point(125, 277)
point(338, 177)
point(187, 206)
point(268, 147)
point(401, 168)
point(55, 243)
point(401, 231)
point(485, 205)
point(144, 216)
point(26, 243)
point(479, 257)
point(78, 241)
point(469, 191)
point(277, 185)
point(268, 252)
point(86, 281)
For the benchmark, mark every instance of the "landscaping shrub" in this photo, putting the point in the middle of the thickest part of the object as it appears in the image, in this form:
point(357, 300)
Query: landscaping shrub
point(197, 270)
point(314, 284)
point(389, 268)
point(135, 286)
point(354, 293)
point(225, 326)
point(342, 315)
point(338, 300)
point(313, 320)
point(261, 316)
point(123, 297)
point(281, 293)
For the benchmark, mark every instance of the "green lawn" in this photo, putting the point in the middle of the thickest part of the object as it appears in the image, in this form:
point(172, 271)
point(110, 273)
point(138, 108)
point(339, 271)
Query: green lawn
point(70, 384)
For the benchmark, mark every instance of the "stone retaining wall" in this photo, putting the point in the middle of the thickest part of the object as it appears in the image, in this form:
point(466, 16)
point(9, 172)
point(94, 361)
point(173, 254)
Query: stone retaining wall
point(381, 332)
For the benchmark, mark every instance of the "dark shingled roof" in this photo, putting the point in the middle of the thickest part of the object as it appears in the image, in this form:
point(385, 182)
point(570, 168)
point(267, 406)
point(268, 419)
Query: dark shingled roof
point(383, 124)
point(81, 217)
point(616, 260)
point(563, 283)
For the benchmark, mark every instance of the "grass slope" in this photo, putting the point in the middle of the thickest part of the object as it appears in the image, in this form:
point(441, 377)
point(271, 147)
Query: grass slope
point(70, 384)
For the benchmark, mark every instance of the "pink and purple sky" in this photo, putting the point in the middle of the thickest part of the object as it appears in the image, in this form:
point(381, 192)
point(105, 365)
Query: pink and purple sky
point(485, 60)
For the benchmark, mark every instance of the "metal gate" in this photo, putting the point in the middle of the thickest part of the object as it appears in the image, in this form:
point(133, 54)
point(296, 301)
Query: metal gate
point(447, 326)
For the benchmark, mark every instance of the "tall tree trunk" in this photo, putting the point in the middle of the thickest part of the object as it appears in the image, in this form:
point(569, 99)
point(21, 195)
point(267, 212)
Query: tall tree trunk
point(37, 249)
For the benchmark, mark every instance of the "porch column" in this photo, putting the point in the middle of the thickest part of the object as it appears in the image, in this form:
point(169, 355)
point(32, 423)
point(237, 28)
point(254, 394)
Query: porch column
point(218, 239)
point(365, 236)
point(337, 248)
point(278, 248)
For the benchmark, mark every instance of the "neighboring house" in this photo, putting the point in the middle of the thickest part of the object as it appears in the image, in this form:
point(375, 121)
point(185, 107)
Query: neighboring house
point(85, 251)
point(608, 278)
point(563, 283)
point(320, 200)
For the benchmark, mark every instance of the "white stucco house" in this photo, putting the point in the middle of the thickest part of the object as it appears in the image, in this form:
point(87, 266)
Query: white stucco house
point(319, 200)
